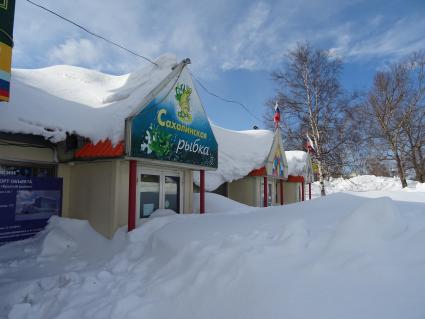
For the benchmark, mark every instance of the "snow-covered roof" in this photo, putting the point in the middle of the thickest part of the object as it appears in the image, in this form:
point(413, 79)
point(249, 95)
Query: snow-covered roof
point(53, 100)
point(239, 152)
point(299, 164)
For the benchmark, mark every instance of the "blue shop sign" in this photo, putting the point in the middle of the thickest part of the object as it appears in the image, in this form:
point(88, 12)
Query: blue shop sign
point(174, 127)
point(26, 203)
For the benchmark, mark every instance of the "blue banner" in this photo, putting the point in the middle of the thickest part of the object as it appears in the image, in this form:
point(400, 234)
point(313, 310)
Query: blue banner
point(26, 203)
point(174, 127)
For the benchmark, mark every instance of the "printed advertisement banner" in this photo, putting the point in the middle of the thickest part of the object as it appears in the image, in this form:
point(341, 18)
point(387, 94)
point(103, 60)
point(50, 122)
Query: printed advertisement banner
point(174, 127)
point(26, 203)
point(7, 13)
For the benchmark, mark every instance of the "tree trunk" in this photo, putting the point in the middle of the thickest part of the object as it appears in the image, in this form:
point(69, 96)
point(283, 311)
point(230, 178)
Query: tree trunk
point(421, 165)
point(400, 170)
point(321, 173)
point(417, 165)
point(321, 179)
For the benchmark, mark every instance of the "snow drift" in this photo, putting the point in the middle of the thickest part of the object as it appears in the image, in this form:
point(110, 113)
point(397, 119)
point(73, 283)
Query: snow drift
point(342, 256)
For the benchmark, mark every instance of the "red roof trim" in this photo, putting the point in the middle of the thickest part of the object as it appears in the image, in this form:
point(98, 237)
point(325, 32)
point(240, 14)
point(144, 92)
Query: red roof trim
point(102, 149)
point(258, 172)
point(295, 179)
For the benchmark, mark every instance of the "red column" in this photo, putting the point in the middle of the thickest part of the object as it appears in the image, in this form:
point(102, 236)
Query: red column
point(281, 191)
point(303, 191)
point(265, 192)
point(202, 192)
point(132, 181)
point(309, 191)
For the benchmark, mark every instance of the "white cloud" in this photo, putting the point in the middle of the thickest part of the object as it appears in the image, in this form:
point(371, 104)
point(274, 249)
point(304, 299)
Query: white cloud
point(75, 52)
point(216, 35)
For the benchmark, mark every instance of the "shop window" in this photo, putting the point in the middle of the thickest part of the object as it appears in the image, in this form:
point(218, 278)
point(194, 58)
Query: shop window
point(172, 193)
point(149, 194)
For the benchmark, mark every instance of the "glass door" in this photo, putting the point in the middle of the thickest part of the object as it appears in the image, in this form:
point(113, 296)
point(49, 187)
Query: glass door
point(271, 191)
point(270, 194)
point(158, 189)
point(149, 194)
point(172, 193)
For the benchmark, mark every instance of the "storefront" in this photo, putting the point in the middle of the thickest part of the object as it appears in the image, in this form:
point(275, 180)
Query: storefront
point(166, 139)
point(298, 184)
point(260, 187)
point(166, 136)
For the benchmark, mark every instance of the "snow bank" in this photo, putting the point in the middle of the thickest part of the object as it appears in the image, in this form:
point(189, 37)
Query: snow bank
point(239, 152)
point(341, 256)
point(373, 186)
point(63, 244)
point(59, 99)
point(215, 203)
point(372, 224)
point(162, 213)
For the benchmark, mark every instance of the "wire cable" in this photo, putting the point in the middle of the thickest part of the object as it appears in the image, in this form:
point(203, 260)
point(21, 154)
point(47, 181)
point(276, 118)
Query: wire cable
point(91, 32)
point(225, 99)
point(143, 57)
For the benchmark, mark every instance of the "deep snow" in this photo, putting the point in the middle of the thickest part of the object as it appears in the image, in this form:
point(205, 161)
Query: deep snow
point(74, 98)
point(342, 256)
point(373, 186)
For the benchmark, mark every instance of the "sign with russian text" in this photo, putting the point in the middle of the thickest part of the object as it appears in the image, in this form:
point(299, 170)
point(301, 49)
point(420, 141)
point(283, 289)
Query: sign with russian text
point(26, 203)
point(7, 13)
point(174, 127)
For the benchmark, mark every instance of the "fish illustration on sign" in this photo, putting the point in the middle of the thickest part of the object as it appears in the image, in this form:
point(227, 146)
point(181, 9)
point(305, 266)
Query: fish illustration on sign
point(183, 93)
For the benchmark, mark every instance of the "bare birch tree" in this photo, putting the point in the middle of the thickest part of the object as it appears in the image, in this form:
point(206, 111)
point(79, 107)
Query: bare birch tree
point(309, 96)
point(395, 115)
point(414, 127)
point(388, 113)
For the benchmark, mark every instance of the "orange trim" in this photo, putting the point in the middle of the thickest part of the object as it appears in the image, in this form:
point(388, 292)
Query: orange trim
point(259, 172)
point(102, 149)
point(295, 179)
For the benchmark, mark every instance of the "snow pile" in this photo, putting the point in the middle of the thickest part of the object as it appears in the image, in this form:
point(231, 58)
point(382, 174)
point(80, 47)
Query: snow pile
point(370, 186)
point(74, 98)
point(219, 204)
point(369, 226)
point(341, 256)
point(65, 244)
point(239, 152)
point(299, 164)
point(162, 212)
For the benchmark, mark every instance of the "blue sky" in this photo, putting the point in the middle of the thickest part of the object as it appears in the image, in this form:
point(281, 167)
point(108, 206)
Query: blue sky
point(233, 45)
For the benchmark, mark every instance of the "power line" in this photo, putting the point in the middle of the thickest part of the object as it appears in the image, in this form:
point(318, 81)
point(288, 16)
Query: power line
point(225, 99)
point(91, 32)
point(141, 56)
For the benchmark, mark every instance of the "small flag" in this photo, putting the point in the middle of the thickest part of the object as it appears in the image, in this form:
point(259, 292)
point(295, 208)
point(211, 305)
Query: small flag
point(7, 12)
point(276, 117)
point(309, 145)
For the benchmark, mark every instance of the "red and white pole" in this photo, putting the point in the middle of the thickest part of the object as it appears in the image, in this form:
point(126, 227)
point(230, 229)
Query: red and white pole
point(132, 182)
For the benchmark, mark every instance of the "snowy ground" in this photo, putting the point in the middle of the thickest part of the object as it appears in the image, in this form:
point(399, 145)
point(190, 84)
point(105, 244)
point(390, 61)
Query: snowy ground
point(342, 256)
point(372, 186)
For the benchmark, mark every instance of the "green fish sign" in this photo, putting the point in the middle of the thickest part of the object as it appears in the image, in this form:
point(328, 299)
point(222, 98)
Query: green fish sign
point(183, 97)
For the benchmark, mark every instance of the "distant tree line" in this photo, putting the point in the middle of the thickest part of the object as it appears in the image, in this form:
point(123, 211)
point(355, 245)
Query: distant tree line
point(363, 133)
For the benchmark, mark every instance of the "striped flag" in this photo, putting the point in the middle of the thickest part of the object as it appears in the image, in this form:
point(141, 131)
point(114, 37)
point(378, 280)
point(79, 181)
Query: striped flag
point(276, 117)
point(309, 145)
point(7, 13)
